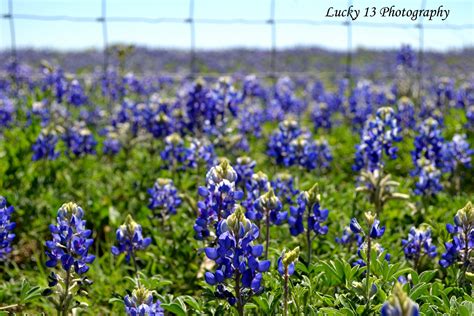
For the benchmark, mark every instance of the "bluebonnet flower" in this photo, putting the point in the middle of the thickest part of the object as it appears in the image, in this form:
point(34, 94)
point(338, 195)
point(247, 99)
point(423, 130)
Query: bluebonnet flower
point(111, 144)
point(470, 116)
point(164, 198)
point(140, 302)
point(220, 196)
point(236, 258)
point(429, 178)
point(6, 111)
point(418, 244)
point(257, 186)
point(45, 146)
point(285, 97)
point(303, 151)
point(284, 187)
point(245, 169)
point(321, 116)
point(159, 124)
point(465, 95)
point(406, 113)
point(6, 228)
point(406, 57)
point(308, 203)
point(77, 96)
point(363, 250)
point(429, 143)
point(360, 104)
point(399, 304)
point(457, 153)
point(251, 119)
point(252, 88)
point(203, 151)
point(176, 154)
point(349, 237)
point(269, 207)
point(292, 146)
point(130, 239)
point(279, 142)
point(80, 141)
point(445, 93)
point(377, 138)
point(374, 231)
point(70, 247)
point(286, 262)
point(55, 81)
point(40, 109)
point(460, 248)
point(428, 158)
point(70, 244)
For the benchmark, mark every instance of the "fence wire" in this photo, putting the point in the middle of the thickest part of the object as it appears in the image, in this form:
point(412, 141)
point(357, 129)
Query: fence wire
point(272, 22)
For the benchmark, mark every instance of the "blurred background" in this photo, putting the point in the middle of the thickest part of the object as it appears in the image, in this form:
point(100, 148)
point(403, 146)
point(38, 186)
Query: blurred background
point(186, 29)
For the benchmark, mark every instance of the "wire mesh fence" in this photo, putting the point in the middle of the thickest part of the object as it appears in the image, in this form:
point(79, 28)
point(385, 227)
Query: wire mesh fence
point(105, 20)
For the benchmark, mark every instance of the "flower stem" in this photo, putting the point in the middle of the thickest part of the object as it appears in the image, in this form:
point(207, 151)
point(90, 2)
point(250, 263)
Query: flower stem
point(285, 298)
point(267, 232)
point(135, 266)
point(367, 277)
point(238, 295)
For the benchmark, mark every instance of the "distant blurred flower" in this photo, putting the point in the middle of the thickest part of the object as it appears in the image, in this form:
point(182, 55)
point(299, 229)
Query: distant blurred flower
point(164, 198)
point(45, 146)
point(6, 228)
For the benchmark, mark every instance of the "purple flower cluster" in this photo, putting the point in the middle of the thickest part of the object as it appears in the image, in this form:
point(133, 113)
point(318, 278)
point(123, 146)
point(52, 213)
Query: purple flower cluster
point(315, 216)
point(374, 232)
point(428, 158)
point(418, 244)
point(176, 154)
point(349, 237)
point(70, 244)
point(377, 138)
point(284, 187)
point(130, 239)
point(460, 248)
point(140, 303)
point(164, 198)
point(321, 116)
point(406, 113)
point(80, 141)
point(6, 228)
point(6, 111)
point(220, 197)
point(291, 146)
point(406, 57)
point(45, 146)
point(457, 153)
point(245, 169)
point(236, 258)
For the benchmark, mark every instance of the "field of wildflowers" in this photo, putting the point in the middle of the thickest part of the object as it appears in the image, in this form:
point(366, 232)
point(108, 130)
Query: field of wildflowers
point(129, 194)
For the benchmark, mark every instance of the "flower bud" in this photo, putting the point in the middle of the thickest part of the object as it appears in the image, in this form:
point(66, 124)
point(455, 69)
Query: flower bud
point(291, 256)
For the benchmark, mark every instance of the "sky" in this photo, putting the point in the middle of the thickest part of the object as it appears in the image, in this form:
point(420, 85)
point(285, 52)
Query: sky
point(66, 35)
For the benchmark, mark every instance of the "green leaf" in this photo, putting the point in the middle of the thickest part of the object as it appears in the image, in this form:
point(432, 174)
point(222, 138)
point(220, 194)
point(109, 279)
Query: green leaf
point(174, 308)
point(419, 290)
point(427, 276)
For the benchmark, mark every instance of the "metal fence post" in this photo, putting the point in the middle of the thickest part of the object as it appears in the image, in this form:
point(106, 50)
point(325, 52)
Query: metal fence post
point(273, 40)
point(349, 47)
point(105, 37)
point(421, 48)
point(192, 48)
